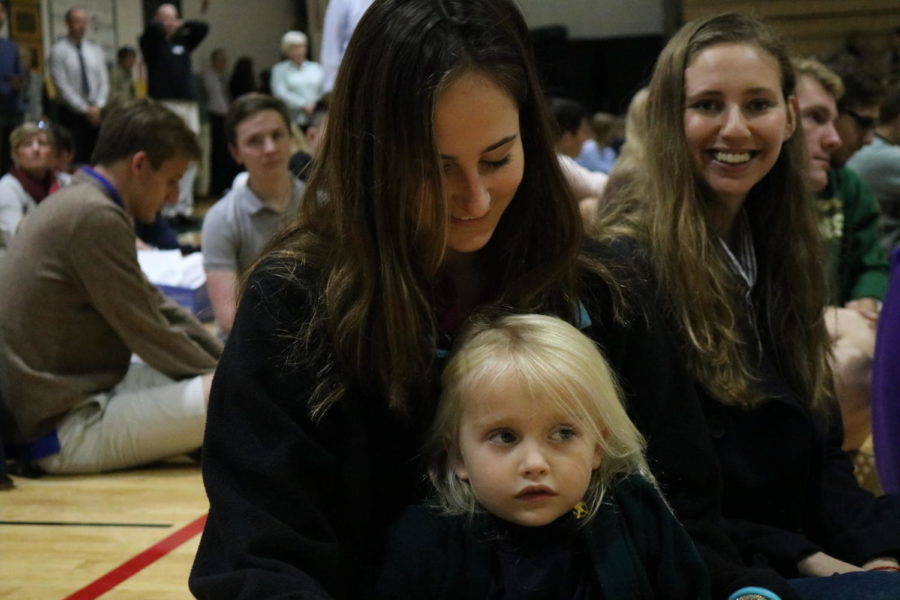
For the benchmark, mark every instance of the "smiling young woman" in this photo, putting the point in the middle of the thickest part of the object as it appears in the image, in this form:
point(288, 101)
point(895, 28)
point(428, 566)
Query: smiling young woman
point(735, 122)
point(720, 219)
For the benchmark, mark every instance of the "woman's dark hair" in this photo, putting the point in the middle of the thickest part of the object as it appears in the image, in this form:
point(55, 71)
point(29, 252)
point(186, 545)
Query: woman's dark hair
point(375, 217)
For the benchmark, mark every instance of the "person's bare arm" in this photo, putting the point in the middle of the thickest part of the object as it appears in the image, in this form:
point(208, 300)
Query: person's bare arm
point(222, 288)
point(823, 565)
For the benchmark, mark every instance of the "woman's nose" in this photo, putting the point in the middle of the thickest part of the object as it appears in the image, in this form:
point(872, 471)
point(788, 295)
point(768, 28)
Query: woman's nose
point(472, 196)
point(735, 123)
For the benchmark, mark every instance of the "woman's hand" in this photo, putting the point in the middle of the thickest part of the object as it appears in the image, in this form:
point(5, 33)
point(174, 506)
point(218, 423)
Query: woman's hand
point(823, 565)
point(884, 561)
point(867, 307)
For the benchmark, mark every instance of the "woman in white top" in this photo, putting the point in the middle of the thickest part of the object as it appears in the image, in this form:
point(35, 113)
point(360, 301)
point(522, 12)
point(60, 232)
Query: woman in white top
point(31, 179)
point(297, 81)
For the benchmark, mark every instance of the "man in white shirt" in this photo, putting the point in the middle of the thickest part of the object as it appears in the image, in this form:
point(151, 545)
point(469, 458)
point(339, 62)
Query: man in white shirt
point(341, 18)
point(78, 70)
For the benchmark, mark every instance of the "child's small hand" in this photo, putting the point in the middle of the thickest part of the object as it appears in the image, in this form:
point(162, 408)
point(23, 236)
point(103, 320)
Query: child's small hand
point(881, 563)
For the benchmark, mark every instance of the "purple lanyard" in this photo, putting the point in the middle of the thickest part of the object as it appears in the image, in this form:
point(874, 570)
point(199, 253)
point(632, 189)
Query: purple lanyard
point(113, 194)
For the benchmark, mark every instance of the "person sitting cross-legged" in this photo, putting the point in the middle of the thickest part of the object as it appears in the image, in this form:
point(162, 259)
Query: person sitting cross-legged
point(77, 306)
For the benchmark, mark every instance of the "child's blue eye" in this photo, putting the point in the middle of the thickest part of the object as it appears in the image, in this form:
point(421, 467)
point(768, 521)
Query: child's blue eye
point(563, 433)
point(503, 437)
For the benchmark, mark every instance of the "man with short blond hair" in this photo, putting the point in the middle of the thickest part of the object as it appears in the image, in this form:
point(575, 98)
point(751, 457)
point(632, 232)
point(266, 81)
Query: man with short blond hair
point(71, 282)
point(856, 265)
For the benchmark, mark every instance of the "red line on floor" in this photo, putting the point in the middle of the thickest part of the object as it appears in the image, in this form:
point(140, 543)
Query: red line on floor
point(136, 564)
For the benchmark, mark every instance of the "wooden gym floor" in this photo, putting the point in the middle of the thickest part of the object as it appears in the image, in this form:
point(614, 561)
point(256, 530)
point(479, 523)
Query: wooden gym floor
point(130, 535)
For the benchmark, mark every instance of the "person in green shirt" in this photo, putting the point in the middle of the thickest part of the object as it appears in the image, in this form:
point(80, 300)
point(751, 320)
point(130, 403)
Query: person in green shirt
point(856, 266)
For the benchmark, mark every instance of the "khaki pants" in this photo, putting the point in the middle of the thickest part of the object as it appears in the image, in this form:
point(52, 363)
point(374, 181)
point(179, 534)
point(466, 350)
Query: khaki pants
point(147, 417)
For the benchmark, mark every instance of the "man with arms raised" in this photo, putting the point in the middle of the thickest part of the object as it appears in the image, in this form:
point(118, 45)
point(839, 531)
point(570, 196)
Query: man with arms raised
point(166, 45)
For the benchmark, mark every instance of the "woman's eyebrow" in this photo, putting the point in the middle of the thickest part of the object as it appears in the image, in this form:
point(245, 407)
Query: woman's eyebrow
point(715, 93)
point(493, 146)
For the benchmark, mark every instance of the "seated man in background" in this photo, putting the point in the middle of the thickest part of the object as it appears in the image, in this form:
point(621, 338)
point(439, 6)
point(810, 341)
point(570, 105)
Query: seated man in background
point(572, 131)
point(599, 154)
point(76, 306)
point(121, 76)
point(857, 113)
point(301, 162)
point(878, 164)
point(237, 227)
point(857, 267)
point(63, 154)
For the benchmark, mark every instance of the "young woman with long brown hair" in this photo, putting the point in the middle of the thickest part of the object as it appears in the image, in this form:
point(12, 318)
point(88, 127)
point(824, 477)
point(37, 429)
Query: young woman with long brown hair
point(721, 220)
point(437, 192)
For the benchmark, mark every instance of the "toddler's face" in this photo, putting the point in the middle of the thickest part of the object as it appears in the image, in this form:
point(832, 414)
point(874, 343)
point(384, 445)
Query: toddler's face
point(526, 460)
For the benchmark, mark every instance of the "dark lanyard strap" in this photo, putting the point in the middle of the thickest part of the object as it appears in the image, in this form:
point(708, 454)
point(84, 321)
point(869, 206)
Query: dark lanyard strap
point(113, 193)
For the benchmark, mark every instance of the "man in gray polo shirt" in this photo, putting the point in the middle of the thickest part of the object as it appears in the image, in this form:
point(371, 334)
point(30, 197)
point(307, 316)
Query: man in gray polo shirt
point(237, 227)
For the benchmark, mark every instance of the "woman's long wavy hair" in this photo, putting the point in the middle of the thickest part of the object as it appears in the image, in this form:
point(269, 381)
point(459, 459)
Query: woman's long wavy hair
point(668, 208)
point(374, 220)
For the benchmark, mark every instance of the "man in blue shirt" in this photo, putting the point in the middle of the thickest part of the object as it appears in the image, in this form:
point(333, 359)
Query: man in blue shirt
point(11, 81)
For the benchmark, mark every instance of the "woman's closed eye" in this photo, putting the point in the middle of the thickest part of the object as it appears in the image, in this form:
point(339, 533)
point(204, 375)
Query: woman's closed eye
point(493, 165)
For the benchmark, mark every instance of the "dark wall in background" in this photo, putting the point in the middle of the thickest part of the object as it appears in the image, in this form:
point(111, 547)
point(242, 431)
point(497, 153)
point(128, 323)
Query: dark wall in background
point(603, 74)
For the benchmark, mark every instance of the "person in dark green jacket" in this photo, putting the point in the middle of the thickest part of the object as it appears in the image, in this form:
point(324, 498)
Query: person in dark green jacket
point(856, 266)
point(542, 489)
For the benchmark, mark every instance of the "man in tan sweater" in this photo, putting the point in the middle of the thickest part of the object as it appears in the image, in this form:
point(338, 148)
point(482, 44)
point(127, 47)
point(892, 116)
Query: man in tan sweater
point(75, 307)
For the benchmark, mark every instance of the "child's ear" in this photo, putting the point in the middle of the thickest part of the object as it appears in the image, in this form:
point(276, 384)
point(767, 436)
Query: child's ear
point(598, 457)
point(455, 460)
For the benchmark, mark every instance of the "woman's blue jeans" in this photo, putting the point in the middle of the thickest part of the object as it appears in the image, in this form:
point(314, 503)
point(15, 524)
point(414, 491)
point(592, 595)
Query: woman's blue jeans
point(865, 585)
